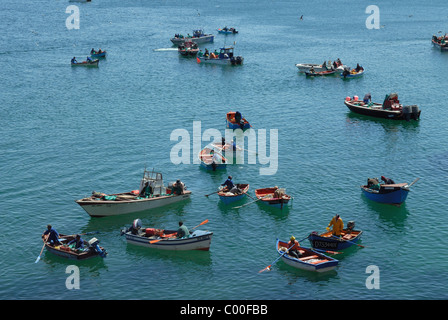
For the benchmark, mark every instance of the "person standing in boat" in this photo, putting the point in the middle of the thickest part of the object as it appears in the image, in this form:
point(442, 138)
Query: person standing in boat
point(337, 224)
point(293, 246)
point(183, 231)
point(53, 235)
point(147, 190)
point(178, 187)
point(78, 242)
point(367, 98)
point(216, 160)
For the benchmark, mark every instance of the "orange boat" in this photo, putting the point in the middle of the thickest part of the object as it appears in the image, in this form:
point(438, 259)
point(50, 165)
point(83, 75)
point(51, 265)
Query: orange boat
point(233, 123)
point(273, 197)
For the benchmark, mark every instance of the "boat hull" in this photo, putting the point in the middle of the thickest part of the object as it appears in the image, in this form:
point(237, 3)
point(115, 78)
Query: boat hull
point(227, 199)
point(220, 61)
point(352, 75)
point(199, 240)
point(104, 208)
point(205, 159)
point(99, 55)
point(64, 252)
point(266, 197)
point(321, 263)
point(204, 39)
point(231, 124)
point(440, 46)
point(395, 197)
point(325, 241)
point(408, 113)
point(305, 67)
point(85, 64)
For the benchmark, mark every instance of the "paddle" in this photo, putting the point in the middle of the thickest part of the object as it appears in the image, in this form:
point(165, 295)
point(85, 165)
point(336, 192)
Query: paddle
point(269, 266)
point(212, 193)
point(334, 237)
point(409, 185)
point(38, 258)
point(250, 202)
point(203, 222)
point(327, 251)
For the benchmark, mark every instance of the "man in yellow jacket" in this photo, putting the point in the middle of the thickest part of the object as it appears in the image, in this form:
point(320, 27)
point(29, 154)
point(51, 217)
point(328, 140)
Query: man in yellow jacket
point(337, 224)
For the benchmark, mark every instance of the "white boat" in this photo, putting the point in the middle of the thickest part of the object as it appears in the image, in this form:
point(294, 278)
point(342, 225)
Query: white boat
point(198, 37)
point(167, 239)
point(103, 205)
point(224, 57)
point(305, 67)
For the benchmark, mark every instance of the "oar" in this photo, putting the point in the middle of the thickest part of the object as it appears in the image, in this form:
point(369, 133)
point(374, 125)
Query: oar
point(212, 193)
point(249, 203)
point(409, 185)
point(38, 258)
point(82, 234)
point(327, 251)
point(203, 222)
point(334, 237)
point(269, 266)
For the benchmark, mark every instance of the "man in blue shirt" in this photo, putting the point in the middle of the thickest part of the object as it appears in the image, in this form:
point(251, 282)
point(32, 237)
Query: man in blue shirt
point(79, 243)
point(53, 235)
point(229, 183)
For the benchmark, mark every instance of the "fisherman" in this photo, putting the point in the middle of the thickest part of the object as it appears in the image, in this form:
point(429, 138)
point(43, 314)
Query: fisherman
point(367, 98)
point(387, 180)
point(92, 51)
point(293, 246)
point(230, 186)
point(88, 59)
point(183, 231)
point(147, 190)
point(278, 193)
point(79, 243)
point(53, 235)
point(215, 159)
point(373, 183)
point(74, 60)
point(178, 187)
point(337, 224)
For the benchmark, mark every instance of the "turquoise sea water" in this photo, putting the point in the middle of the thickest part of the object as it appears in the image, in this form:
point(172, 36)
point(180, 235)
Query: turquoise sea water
point(68, 131)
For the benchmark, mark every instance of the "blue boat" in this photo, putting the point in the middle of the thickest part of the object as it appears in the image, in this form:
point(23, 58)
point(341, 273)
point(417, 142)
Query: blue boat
point(226, 30)
point(387, 193)
point(349, 74)
point(233, 123)
point(97, 54)
point(309, 260)
point(228, 197)
point(327, 241)
point(205, 157)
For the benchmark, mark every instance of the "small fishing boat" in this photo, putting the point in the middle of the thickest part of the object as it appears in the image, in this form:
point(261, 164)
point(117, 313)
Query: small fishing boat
point(273, 197)
point(98, 54)
point(389, 109)
point(91, 248)
point(167, 239)
point(224, 57)
point(347, 74)
point(312, 73)
point(440, 42)
point(205, 157)
point(304, 67)
point(93, 63)
point(234, 120)
point(309, 260)
point(327, 241)
point(388, 193)
point(102, 205)
point(198, 37)
point(226, 30)
point(188, 48)
point(229, 197)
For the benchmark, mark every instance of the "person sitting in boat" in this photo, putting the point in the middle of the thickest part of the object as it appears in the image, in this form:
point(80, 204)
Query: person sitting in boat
point(206, 54)
point(337, 224)
point(339, 62)
point(92, 51)
point(387, 180)
point(178, 187)
point(294, 246)
point(230, 186)
point(53, 235)
point(200, 53)
point(278, 193)
point(358, 67)
point(78, 242)
point(373, 183)
point(88, 59)
point(74, 60)
point(183, 231)
point(312, 70)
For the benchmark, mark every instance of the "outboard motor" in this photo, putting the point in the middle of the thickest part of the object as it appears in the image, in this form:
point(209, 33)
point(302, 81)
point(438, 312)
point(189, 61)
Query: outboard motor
point(93, 243)
point(407, 112)
point(415, 112)
point(350, 226)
